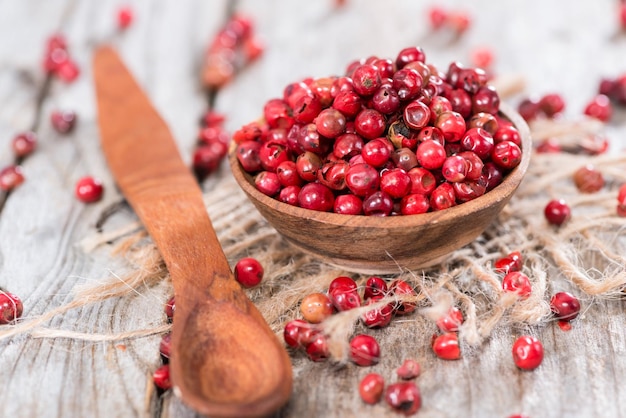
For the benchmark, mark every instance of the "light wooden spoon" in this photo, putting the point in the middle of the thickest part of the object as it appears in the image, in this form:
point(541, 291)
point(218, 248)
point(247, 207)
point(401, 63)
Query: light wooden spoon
point(226, 361)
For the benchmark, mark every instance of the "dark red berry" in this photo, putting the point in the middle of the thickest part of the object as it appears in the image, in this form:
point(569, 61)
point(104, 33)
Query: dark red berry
point(11, 177)
point(486, 100)
point(527, 352)
point(407, 82)
point(414, 204)
point(170, 308)
point(11, 307)
point(405, 294)
point(349, 103)
point(403, 397)
point(443, 197)
point(378, 203)
point(89, 189)
point(452, 126)
point(330, 123)
point(395, 182)
point(267, 183)
point(298, 333)
point(551, 104)
point(378, 317)
point(317, 349)
point(161, 377)
point(364, 350)
point(600, 108)
point(408, 55)
point(362, 179)
point(409, 369)
point(370, 124)
point(165, 346)
point(517, 282)
point(24, 144)
point(506, 155)
point(451, 321)
point(512, 262)
point(565, 306)
point(63, 121)
point(371, 388)
point(348, 204)
point(316, 196)
point(376, 152)
point(446, 346)
point(248, 272)
point(366, 79)
point(557, 212)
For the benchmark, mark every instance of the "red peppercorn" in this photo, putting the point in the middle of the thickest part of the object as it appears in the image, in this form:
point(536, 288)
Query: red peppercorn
point(11, 307)
point(124, 17)
point(366, 80)
point(170, 308)
point(452, 125)
point(165, 346)
point(409, 369)
point(24, 144)
point(348, 204)
point(371, 388)
point(403, 397)
point(517, 282)
point(451, 321)
point(402, 289)
point(437, 17)
point(588, 179)
point(316, 307)
point(512, 262)
point(557, 212)
point(267, 183)
point(298, 333)
point(443, 197)
point(506, 154)
point(375, 287)
point(370, 123)
point(316, 196)
point(89, 189)
point(11, 177)
point(446, 346)
point(344, 299)
point(364, 350)
point(63, 121)
point(317, 349)
point(378, 317)
point(161, 377)
point(249, 272)
point(362, 179)
point(68, 71)
point(430, 154)
point(565, 306)
point(342, 282)
point(600, 108)
point(527, 352)
point(551, 104)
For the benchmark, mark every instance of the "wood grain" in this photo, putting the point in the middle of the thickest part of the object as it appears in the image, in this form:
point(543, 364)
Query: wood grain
point(557, 47)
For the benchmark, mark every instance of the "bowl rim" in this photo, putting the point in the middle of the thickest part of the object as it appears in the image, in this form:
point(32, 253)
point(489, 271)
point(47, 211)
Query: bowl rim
point(511, 182)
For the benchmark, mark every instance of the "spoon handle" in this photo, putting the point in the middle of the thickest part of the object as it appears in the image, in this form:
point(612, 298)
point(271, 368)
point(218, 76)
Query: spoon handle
point(226, 361)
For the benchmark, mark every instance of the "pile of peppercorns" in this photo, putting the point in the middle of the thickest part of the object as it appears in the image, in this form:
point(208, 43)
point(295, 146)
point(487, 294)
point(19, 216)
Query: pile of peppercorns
point(388, 138)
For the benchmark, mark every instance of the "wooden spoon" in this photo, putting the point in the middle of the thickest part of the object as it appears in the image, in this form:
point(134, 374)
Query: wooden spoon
point(226, 361)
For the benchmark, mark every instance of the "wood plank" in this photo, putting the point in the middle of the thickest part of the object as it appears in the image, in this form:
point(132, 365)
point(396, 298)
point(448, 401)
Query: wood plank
point(42, 262)
point(555, 47)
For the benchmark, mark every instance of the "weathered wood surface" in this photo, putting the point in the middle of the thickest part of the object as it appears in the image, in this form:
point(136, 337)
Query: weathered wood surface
point(556, 46)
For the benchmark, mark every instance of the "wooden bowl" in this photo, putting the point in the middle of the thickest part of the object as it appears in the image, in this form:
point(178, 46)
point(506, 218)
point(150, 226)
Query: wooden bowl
point(380, 245)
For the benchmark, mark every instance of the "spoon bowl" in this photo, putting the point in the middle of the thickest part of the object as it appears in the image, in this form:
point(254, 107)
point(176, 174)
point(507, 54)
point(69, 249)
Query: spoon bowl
point(382, 245)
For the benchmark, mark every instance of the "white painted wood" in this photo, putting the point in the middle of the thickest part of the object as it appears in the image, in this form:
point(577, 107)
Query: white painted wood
point(562, 48)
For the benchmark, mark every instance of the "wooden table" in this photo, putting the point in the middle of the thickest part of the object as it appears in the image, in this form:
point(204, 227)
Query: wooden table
point(557, 46)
